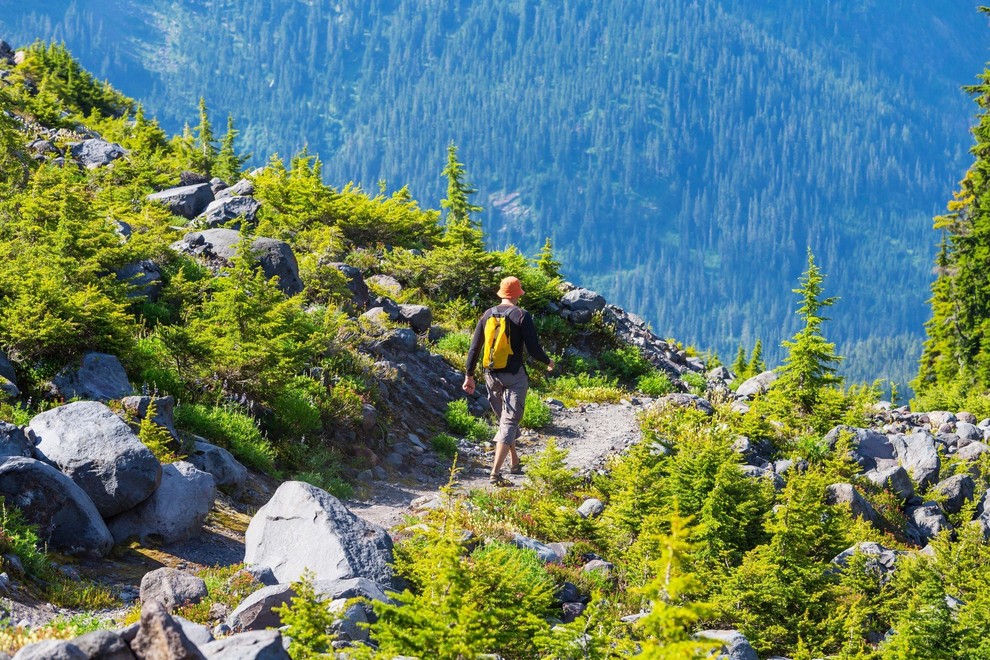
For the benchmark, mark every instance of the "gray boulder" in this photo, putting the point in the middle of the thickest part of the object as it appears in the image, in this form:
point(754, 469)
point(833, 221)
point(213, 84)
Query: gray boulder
point(197, 633)
point(227, 471)
point(917, 453)
point(145, 277)
point(982, 516)
point(242, 187)
point(355, 283)
point(386, 282)
point(304, 527)
point(65, 517)
point(224, 210)
point(972, 451)
point(735, 646)
point(401, 339)
point(968, 433)
point(683, 400)
point(848, 495)
point(754, 472)
point(256, 611)
point(95, 152)
point(172, 588)
point(275, 257)
point(160, 636)
point(97, 377)
point(591, 508)
point(546, 554)
point(583, 300)
point(51, 649)
point(8, 377)
point(175, 512)
point(97, 450)
point(419, 317)
point(187, 201)
point(104, 645)
point(925, 522)
point(957, 490)
point(871, 450)
point(894, 479)
point(350, 620)
point(758, 384)
point(879, 559)
point(14, 441)
point(253, 645)
point(137, 407)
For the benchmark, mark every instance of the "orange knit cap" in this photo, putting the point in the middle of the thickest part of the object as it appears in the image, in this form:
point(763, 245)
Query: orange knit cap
point(510, 287)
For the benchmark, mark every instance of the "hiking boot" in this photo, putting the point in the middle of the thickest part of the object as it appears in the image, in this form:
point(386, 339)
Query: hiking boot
point(516, 469)
point(499, 481)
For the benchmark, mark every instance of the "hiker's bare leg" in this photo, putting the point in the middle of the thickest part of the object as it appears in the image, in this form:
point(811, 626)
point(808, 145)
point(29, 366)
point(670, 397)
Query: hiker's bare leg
point(501, 451)
point(514, 462)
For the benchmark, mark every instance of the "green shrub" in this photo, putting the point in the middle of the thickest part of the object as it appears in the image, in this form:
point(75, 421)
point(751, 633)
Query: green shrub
point(655, 384)
point(157, 438)
point(230, 428)
point(549, 474)
point(584, 388)
point(463, 423)
point(696, 382)
point(296, 410)
point(20, 538)
point(307, 620)
point(445, 445)
point(626, 363)
point(537, 413)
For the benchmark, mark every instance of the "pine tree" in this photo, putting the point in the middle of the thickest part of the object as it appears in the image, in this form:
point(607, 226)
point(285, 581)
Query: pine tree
point(228, 163)
point(740, 364)
point(811, 360)
point(206, 149)
point(462, 229)
point(756, 364)
point(546, 262)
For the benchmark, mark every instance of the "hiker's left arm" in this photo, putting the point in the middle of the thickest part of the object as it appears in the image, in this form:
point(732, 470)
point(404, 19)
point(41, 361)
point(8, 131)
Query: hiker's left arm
point(533, 342)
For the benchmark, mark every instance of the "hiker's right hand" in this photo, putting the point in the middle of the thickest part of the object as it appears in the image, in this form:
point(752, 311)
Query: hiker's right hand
point(468, 385)
point(550, 366)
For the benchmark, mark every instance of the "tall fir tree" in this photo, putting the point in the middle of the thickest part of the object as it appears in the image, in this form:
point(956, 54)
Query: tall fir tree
point(811, 360)
point(206, 148)
point(228, 162)
point(740, 364)
point(756, 365)
point(462, 229)
point(546, 262)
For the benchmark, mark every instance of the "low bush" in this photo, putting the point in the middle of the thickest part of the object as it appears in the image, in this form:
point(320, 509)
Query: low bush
point(537, 413)
point(584, 388)
point(463, 423)
point(445, 445)
point(655, 384)
point(231, 429)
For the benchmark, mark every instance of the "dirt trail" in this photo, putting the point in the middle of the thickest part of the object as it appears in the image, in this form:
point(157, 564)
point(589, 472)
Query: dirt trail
point(589, 432)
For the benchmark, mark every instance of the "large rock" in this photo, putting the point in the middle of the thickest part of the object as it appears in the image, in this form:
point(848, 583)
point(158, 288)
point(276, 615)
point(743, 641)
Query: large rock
point(894, 479)
point(172, 588)
point(956, 490)
point(98, 451)
point(256, 611)
point(848, 495)
point(879, 560)
point(253, 645)
point(14, 441)
point(104, 645)
point(925, 522)
point(917, 453)
point(160, 636)
point(419, 317)
point(583, 300)
point(8, 377)
point(138, 406)
point(222, 211)
point(187, 201)
point(65, 517)
point(546, 554)
point(871, 450)
point(229, 474)
point(275, 257)
point(758, 384)
point(242, 187)
point(735, 646)
point(175, 512)
point(304, 527)
point(145, 277)
point(94, 153)
point(360, 294)
point(97, 376)
point(51, 649)
point(386, 282)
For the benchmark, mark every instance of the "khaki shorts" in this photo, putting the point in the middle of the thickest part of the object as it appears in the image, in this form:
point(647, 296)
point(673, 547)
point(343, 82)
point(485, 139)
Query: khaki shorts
point(507, 395)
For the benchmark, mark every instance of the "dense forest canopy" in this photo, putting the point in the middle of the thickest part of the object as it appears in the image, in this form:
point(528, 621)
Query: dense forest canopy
point(681, 155)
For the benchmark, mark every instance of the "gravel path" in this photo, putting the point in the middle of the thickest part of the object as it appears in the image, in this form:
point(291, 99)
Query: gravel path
point(589, 432)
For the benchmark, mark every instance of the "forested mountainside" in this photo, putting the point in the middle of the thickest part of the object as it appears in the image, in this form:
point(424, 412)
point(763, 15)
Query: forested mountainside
point(681, 155)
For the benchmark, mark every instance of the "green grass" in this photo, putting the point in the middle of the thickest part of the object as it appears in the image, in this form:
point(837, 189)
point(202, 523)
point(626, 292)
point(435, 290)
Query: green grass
point(655, 384)
point(464, 424)
point(583, 388)
point(231, 429)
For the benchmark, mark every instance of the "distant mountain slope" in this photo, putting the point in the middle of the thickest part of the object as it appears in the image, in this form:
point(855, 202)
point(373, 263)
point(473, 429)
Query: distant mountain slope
point(681, 154)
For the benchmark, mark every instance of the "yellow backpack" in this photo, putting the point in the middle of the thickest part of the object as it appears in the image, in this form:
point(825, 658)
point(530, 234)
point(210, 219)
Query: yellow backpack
point(497, 348)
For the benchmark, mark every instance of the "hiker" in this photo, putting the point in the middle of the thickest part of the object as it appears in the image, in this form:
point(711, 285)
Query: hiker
point(505, 374)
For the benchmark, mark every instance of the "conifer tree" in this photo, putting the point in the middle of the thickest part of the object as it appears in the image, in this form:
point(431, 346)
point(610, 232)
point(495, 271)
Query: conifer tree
point(228, 163)
point(756, 364)
point(740, 364)
point(462, 229)
point(546, 262)
point(811, 360)
point(206, 150)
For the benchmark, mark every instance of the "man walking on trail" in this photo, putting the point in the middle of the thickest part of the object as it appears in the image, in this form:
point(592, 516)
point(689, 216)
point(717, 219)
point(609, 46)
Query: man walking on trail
point(505, 374)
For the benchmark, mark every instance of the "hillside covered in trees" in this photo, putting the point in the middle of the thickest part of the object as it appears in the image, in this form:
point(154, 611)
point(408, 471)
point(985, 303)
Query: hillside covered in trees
point(681, 155)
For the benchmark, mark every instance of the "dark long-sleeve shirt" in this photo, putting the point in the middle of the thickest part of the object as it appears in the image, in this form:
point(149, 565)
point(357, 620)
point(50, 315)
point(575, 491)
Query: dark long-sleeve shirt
point(522, 332)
